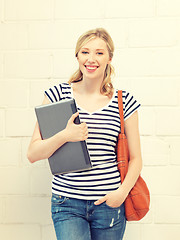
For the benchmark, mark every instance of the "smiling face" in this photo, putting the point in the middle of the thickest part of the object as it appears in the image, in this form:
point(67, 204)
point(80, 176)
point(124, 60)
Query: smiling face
point(93, 58)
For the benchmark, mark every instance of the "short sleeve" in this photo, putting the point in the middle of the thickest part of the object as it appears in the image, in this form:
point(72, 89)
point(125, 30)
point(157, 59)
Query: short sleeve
point(130, 104)
point(54, 93)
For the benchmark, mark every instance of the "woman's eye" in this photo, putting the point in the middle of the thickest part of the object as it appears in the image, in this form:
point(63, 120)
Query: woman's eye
point(84, 52)
point(99, 53)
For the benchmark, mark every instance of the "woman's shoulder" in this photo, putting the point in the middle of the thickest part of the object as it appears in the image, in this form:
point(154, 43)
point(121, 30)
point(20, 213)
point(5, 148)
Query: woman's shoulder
point(58, 91)
point(130, 103)
point(126, 93)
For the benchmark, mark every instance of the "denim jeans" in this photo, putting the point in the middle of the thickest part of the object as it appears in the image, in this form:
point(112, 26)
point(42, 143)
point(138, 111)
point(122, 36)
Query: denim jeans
point(76, 219)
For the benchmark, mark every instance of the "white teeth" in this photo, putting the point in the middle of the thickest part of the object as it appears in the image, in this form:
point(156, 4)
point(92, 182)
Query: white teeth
point(91, 68)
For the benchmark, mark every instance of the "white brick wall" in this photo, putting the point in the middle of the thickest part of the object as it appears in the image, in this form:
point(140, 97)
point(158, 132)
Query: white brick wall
point(21, 10)
point(1, 66)
point(31, 64)
point(168, 8)
point(129, 8)
point(37, 42)
point(69, 9)
point(21, 231)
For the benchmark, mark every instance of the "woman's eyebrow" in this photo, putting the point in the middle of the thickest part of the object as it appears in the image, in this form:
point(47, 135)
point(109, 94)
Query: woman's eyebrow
point(96, 49)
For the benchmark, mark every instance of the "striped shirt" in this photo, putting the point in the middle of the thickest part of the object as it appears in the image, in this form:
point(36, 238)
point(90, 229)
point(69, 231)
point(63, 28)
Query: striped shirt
point(103, 129)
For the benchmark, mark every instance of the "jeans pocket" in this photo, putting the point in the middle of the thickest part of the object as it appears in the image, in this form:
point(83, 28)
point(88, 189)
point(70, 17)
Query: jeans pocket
point(57, 199)
point(110, 206)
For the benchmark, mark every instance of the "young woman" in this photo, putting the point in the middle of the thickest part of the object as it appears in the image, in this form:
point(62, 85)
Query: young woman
point(89, 204)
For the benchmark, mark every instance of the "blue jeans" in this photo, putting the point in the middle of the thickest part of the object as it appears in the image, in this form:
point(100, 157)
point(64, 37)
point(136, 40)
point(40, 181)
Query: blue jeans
point(76, 219)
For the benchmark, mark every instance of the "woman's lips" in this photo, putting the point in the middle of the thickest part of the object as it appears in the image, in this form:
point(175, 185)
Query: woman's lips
point(91, 68)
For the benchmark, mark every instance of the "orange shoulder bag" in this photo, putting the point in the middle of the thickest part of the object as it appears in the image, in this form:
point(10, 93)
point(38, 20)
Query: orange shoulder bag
point(138, 200)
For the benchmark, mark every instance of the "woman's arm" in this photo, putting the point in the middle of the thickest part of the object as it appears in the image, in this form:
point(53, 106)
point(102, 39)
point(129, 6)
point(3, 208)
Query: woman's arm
point(117, 197)
point(135, 158)
point(41, 149)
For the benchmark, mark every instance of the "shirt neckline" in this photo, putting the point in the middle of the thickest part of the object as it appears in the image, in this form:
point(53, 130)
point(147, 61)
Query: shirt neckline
point(98, 110)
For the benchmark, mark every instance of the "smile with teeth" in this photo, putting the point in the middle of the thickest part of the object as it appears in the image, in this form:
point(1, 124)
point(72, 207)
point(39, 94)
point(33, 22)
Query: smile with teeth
point(91, 67)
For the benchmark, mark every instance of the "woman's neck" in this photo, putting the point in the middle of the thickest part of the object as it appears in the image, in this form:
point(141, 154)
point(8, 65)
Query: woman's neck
point(90, 86)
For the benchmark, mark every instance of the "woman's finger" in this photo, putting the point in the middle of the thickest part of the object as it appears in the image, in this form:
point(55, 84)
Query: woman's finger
point(72, 118)
point(101, 200)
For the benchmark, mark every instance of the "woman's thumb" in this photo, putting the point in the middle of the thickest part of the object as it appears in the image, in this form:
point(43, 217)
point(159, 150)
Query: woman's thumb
point(73, 117)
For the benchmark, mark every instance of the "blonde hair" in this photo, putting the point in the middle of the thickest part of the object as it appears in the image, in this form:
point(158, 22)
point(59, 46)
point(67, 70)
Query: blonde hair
point(106, 86)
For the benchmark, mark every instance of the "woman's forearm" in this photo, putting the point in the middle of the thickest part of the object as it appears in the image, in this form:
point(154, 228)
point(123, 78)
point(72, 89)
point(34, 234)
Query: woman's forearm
point(134, 169)
point(43, 149)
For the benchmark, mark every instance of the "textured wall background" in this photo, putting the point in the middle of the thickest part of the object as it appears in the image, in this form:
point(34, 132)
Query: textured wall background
point(37, 41)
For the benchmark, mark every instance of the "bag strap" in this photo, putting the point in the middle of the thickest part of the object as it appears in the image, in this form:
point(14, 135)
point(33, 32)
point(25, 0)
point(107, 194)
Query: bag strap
point(120, 104)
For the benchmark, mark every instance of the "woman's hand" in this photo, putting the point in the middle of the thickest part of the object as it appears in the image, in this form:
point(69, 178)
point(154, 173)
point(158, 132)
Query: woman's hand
point(76, 132)
point(113, 199)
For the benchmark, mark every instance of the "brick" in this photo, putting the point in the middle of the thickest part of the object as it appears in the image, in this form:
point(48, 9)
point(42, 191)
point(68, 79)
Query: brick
point(167, 121)
point(20, 232)
point(27, 65)
point(10, 152)
point(160, 231)
point(137, 8)
point(166, 61)
point(168, 8)
point(49, 35)
point(20, 122)
point(162, 180)
point(76, 9)
point(133, 231)
point(65, 64)
point(153, 33)
point(28, 10)
point(48, 232)
point(28, 210)
point(58, 35)
point(41, 179)
point(14, 180)
point(1, 211)
point(1, 9)
point(156, 155)
point(174, 150)
point(120, 35)
point(1, 65)
point(13, 93)
point(147, 62)
point(146, 121)
point(148, 90)
point(17, 32)
point(133, 62)
point(167, 210)
point(2, 122)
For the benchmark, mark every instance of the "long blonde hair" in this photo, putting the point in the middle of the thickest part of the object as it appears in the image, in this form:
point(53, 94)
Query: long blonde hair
point(106, 86)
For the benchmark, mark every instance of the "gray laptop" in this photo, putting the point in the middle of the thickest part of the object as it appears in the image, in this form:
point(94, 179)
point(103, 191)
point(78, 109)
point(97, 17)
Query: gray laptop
point(72, 156)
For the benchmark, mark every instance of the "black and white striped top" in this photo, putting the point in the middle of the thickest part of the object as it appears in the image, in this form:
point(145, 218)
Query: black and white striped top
point(103, 129)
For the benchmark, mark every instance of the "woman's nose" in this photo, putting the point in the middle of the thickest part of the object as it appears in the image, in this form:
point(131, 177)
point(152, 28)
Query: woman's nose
point(91, 58)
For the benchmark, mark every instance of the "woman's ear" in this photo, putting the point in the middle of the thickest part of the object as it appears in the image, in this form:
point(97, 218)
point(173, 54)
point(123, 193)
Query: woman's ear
point(110, 60)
